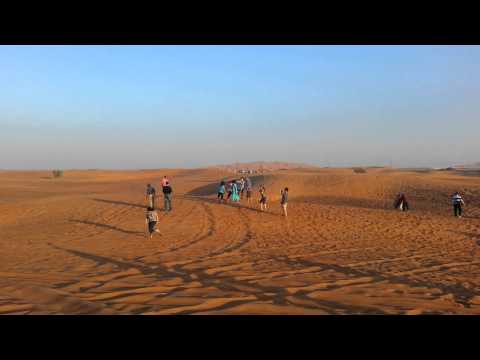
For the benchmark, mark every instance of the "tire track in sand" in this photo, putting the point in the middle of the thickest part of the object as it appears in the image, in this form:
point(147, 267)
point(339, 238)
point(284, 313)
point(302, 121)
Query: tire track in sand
point(211, 229)
point(244, 240)
point(225, 250)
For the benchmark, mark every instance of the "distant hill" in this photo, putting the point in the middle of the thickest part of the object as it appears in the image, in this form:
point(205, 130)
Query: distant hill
point(473, 166)
point(262, 166)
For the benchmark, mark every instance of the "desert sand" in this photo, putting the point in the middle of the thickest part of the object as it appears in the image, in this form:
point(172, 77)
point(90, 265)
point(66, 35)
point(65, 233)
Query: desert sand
point(76, 245)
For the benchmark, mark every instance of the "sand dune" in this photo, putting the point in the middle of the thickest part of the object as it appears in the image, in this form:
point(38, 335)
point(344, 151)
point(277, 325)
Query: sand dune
point(76, 245)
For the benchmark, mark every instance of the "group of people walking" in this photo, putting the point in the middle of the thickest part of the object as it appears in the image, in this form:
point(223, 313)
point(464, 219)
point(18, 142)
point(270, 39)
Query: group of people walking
point(236, 190)
point(152, 215)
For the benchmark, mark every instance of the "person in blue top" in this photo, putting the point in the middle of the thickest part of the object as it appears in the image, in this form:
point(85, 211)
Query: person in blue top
point(221, 192)
point(235, 195)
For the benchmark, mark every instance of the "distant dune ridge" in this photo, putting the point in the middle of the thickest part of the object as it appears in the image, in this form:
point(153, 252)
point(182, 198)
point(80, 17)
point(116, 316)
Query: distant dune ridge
point(472, 166)
point(259, 166)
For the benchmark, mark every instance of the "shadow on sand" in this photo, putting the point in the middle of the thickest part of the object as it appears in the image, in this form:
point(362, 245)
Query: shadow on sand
point(116, 202)
point(473, 236)
point(229, 204)
point(278, 294)
point(348, 201)
point(475, 173)
point(106, 226)
point(471, 217)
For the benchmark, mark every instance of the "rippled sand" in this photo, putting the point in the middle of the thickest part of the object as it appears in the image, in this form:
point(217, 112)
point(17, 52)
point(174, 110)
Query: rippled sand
point(77, 246)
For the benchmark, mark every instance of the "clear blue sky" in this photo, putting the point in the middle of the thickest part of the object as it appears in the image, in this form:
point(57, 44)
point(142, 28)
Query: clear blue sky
point(188, 106)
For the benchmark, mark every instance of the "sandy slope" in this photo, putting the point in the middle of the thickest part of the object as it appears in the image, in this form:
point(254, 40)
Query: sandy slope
point(76, 245)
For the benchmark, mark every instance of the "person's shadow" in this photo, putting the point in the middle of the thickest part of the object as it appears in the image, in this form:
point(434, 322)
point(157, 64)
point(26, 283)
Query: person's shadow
point(473, 236)
point(116, 202)
point(106, 226)
point(237, 205)
point(471, 217)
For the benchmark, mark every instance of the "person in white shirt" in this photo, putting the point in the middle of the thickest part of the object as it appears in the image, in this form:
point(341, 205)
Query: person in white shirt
point(241, 187)
point(151, 221)
point(457, 203)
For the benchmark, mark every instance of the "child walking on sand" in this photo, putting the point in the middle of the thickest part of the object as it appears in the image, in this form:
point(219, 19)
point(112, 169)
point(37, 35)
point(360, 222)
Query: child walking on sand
point(263, 198)
point(284, 201)
point(151, 221)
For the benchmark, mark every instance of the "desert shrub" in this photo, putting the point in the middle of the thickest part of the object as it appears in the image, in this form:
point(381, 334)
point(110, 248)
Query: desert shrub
point(359, 170)
point(57, 173)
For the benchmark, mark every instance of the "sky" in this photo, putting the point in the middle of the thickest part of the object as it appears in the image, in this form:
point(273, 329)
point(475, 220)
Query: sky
point(139, 107)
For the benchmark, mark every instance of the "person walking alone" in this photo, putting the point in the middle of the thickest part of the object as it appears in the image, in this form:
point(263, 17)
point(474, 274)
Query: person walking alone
point(284, 200)
point(151, 221)
point(457, 202)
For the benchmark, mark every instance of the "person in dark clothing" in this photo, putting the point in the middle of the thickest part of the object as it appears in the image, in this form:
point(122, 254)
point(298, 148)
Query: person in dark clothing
point(167, 195)
point(396, 203)
point(401, 202)
point(229, 190)
point(284, 201)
